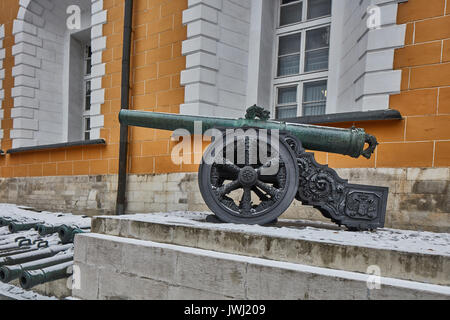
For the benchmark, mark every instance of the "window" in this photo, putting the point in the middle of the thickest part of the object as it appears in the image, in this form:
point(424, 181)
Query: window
point(302, 44)
point(287, 103)
point(87, 128)
point(289, 55)
point(291, 12)
point(87, 91)
point(317, 49)
point(314, 98)
point(319, 8)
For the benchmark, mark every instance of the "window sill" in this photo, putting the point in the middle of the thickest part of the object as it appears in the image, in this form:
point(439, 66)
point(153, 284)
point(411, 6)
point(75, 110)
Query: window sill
point(2, 153)
point(58, 146)
point(378, 115)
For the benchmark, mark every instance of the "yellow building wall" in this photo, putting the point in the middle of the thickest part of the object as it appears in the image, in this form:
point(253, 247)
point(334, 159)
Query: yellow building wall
point(155, 86)
point(421, 139)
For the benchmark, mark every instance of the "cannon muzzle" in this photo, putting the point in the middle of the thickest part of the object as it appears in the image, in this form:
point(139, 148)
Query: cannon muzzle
point(44, 229)
point(349, 142)
point(32, 278)
point(67, 233)
point(15, 227)
point(5, 221)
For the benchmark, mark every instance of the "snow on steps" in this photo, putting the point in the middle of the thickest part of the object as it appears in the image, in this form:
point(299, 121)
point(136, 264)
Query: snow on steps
point(401, 254)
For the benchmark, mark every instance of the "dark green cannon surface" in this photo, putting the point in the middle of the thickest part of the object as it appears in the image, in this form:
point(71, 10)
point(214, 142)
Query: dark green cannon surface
point(9, 273)
point(18, 251)
point(15, 226)
point(33, 255)
point(67, 233)
point(44, 229)
point(18, 244)
point(32, 278)
point(237, 187)
point(5, 221)
point(346, 142)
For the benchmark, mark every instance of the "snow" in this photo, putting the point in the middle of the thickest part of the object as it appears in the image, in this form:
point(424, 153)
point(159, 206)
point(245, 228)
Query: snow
point(16, 293)
point(21, 213)
point(25, 213)
point(390, 239)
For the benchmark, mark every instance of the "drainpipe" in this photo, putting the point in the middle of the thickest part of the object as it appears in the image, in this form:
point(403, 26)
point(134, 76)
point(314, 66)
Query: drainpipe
point(125, 92)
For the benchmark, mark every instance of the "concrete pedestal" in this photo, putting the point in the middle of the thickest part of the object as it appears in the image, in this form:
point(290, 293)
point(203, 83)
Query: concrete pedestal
point(181, 256)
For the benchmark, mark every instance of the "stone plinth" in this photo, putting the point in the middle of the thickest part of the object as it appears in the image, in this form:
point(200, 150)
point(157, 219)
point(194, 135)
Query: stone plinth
point(181, 256)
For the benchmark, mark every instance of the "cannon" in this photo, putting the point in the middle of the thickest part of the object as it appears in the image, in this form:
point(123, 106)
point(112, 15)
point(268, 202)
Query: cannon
point(32, 278)
point(5, 221)
point(67, 233)
point(64, 230)
point(10, 273)
point(33, 255)
point(45, 229)
point(15, 226)
point(254, 167)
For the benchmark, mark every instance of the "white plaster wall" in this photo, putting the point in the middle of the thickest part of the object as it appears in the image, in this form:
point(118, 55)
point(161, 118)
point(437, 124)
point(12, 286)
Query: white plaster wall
point(41, 72)
point(261, 55)
point(98, 43)
point(230, 58)
point(75, 113)
point(217, 55)
point(361, 76)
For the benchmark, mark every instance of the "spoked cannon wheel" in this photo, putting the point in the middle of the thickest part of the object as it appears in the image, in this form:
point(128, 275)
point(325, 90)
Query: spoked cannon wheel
point(248, 179)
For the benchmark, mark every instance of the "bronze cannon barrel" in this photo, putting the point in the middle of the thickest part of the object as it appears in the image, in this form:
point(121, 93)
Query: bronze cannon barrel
point(32, 278)
point(349, 142)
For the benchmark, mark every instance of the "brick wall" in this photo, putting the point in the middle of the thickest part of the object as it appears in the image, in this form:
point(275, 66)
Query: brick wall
point(8, 12)
point(156, 65)
point(155, 79)
point(422, 138)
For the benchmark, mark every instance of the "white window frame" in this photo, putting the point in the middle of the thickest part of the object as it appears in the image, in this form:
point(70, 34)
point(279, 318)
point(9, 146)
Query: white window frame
point(86, 79)
point(303, 77)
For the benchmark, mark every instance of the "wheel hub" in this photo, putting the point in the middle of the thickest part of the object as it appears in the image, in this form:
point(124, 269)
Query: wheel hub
point(248, 176)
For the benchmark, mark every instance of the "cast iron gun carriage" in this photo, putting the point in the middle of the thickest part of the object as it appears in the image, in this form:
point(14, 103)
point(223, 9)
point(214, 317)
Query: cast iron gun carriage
point(255, 168)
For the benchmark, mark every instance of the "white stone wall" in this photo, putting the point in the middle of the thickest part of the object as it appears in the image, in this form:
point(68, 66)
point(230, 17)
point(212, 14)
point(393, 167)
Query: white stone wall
point(419, 199)
point(98, 43)
point(361, 59)
point(230, 56)
point(261, 54)
point(41, 70)
point(217, 57)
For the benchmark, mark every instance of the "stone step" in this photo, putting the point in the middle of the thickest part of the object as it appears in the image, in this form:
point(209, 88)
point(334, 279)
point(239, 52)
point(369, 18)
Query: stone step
point(111, 267)
point(407, 255)
point(14, 292)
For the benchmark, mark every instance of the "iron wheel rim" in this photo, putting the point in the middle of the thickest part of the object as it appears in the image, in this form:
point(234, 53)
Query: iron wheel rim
point(275, 192)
